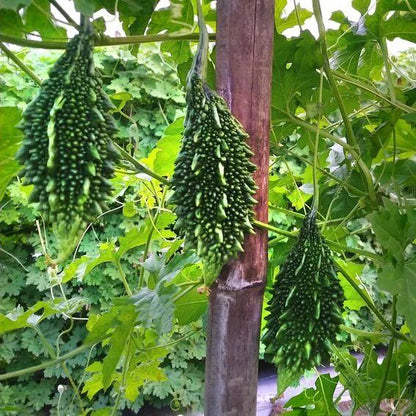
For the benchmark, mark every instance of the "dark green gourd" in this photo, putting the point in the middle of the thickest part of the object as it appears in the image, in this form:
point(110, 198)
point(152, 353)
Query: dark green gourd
point(212, 180)
point(67, 150)
point(306, 307)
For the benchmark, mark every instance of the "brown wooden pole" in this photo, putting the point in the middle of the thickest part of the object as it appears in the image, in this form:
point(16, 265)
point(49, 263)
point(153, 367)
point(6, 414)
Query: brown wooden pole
point(245, 31)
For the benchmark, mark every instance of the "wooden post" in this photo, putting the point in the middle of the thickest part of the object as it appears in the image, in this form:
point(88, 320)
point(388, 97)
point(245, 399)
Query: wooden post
point(245, 31)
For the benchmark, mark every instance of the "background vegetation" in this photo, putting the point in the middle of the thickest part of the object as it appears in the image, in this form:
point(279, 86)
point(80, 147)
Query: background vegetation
point(122, 323)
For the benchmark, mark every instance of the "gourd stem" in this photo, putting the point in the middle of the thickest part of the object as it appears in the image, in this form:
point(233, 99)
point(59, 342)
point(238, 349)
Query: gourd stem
point(61, 10)
point(200, 62)
point(20, 63)
point(327, 68)
point(315, 204)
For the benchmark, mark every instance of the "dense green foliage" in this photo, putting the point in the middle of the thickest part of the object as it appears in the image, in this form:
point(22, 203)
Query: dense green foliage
point(306, 307)
point(124, 315)
point(26, 283)
point(212, 180)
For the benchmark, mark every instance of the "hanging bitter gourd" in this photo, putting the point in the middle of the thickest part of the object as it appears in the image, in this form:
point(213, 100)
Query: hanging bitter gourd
point(306, 306)
point(212, 181)
point(67, 149)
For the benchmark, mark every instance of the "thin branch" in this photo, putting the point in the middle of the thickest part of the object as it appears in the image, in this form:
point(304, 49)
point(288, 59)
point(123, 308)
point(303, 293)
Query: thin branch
point(273, 229)
point(187, 290)
point(315, 205)
point(350, 80)
point(123, 277)
point(327, 68)
point(20, 63)
point(47, 364)
point(106, 41)
point(387, 361)
point(363, 167)
point(58, 7)
point(140, 167)
point(352, 188)
point(341, 247)
point(334, 245)
point(390, 82)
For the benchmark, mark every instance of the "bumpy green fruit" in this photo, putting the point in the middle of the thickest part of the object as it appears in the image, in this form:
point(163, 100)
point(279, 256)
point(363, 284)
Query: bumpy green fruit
point(67, 150)
point(306, 307)
point(212, 181)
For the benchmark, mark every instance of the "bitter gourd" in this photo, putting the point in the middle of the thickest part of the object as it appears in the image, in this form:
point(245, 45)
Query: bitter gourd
point(67, 149)
point(306, 306)
point(212, 181)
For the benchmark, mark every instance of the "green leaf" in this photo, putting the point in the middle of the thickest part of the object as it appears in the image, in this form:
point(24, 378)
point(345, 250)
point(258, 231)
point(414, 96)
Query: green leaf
point(321, 397)
point(178, 16)
point(38, 18)
point(129, 209)
point(401, 172)
point(361, 5)
point(134, 238)
point(23, 319)
point(123, 97)
point(11, 23)
point(134, 15)
point(142, 374)
point(400, 280)
point(85, 7)
point(156, 308)
point(353, 300)
point(179, 50)
point(162, 158)
point(93, 385)
point(118, 342)
point(295, 76)
point(100, 325)
point(399, 26)
point(190, 307)
point(13, 4)
point(81, 267)
point(105, 411)
point(10, 138)
point(394, 229)
point(167, 151)
point(293, 19)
